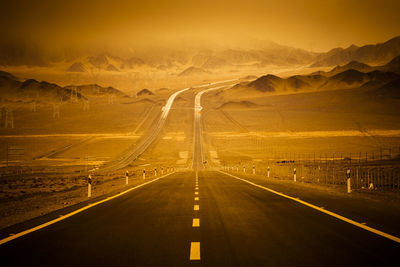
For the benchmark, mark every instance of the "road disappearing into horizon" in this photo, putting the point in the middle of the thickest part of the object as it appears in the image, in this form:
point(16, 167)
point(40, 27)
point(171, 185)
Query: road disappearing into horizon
point(199, 157)
point(198, 217)
point(145, 142)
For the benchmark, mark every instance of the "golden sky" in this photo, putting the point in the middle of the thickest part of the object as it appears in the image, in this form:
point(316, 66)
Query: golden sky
point(316, 25)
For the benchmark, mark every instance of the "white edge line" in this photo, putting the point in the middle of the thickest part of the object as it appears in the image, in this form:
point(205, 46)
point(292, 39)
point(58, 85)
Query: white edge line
point(340, 217)
point(7, 239)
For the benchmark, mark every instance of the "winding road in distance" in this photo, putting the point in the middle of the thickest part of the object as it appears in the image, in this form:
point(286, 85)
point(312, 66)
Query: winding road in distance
point(145, 142)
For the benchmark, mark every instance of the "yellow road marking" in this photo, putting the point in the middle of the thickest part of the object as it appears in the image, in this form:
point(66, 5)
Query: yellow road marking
point(196, 223)
point(196, 207)
point(194, 251)
point(196, 193)
point(7, 239)
point(340, 217)
point(196, 198)
point(196, 188)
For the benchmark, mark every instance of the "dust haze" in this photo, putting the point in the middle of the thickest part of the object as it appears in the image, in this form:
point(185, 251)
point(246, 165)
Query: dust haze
point(300, 97)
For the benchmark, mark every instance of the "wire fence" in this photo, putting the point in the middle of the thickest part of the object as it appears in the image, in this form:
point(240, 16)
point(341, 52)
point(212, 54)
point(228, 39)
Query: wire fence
point(379, 171)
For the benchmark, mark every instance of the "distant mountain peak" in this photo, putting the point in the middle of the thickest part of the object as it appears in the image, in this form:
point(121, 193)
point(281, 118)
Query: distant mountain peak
point(76, 67)
point(193, 71)
point(352, 47)
point(28, 83)
point(373, 54)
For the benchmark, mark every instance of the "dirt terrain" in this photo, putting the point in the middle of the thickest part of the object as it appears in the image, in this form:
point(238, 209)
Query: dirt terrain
point(240, 129)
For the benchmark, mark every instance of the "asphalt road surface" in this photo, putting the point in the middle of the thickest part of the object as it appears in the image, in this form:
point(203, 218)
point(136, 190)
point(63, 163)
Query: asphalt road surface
point(239, 225)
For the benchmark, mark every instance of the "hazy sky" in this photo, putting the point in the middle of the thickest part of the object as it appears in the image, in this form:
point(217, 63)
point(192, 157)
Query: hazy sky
point(317, 25)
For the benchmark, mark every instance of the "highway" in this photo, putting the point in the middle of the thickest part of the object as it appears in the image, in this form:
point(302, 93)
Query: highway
point(200, 217)
point(239, 225)
point(144, 143)
point(148, 139)
point(199, 157)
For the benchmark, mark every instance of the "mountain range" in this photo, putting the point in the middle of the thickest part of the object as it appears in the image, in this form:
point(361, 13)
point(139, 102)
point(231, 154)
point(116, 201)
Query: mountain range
point(373, 54)
point(12, 89)
point(352, 75)
point(208, 56)
point(392, 66)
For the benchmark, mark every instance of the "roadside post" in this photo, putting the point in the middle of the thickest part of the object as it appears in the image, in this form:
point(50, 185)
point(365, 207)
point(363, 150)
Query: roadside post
point(348, 174)
point(162, 170)
point(237, 168)
point(254, 169)
point(294, 174)
point(268, 170)
point(155, 171)
point(127, 177)
point(90, 185)
point(244, 169)
point(144, 173)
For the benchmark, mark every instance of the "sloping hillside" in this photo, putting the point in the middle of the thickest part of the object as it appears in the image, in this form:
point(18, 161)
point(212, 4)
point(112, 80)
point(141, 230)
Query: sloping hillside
point(375, 54)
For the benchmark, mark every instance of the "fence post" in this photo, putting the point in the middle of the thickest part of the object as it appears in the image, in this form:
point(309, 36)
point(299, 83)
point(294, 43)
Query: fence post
point(294, 174)
point(90, 185)
point(348, 181)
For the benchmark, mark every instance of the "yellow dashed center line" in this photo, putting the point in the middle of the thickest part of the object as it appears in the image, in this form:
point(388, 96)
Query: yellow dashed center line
point(196, 222)
point(195, 246)
point(195, 251)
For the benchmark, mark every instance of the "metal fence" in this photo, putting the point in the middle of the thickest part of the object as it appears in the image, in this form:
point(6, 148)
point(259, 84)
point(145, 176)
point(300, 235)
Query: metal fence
point(372, 173)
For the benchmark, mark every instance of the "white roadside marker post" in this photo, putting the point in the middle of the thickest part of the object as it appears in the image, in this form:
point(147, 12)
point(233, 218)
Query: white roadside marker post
point(244, 169)
point(237, 168)
point(162, 170)
point(254, 169)
point(127, 177)
point(268, 170)
point(294, 174)
point(155, 171)
point(90, 185)
point(144, 173)
point(348, 181)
